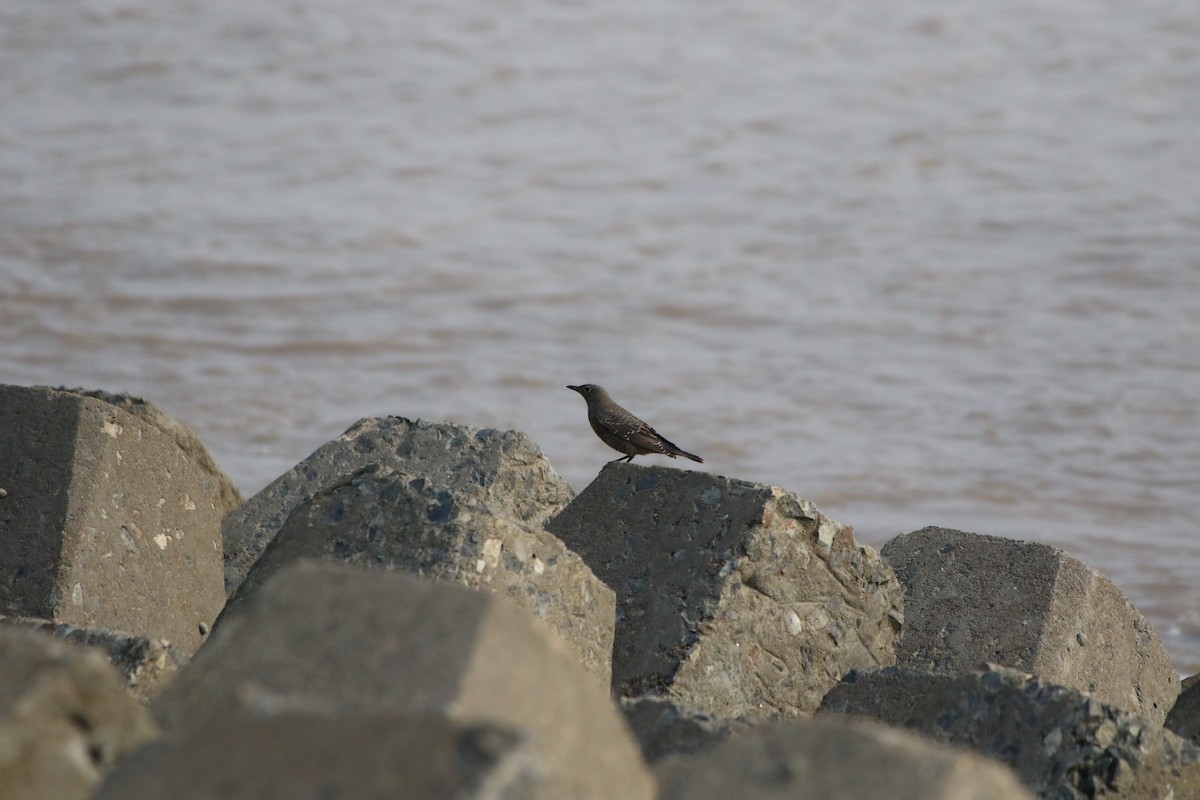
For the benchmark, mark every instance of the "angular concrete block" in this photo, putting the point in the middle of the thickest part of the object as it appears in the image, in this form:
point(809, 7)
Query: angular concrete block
point(64, 718)
point(505, 471)
point(336, 640)
point(379, 517)
point(294, 755)
point(970, 598)
point(733, 598)
point(835, 759)
point(1062, 743)
point(1184, 718)
point(107, 522)
point(143, 664)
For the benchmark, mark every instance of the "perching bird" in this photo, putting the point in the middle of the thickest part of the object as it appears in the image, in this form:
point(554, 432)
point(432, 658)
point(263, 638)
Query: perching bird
point(622, 431)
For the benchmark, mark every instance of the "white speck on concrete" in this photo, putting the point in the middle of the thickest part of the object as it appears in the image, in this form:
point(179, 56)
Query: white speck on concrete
point(792, 623)
point(826, 533)
point(77, 595)
point(162, 540)
point(112, 429)
point(188, 504)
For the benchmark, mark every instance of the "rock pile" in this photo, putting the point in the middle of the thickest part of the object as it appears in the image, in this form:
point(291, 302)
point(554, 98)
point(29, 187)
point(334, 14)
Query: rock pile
point(426, 610)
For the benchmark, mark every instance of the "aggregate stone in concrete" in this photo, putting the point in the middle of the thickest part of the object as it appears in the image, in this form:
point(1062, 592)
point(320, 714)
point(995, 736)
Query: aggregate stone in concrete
point(970, 598)
point(108, 523)
point(64, 718)
point(295, 755)
point(503, 470)
point(836, 759)
point(143, 664)
point(337, 640)
point(1063, 744)
point(379, 517)
point(733, 598)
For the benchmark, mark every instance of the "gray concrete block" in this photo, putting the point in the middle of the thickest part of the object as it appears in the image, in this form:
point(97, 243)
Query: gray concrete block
point(337, 640)
point(1184, 718)
point(1063, 744)
point(64, 719)
point(970, 598)
point(108, 523)
point(733, 598)
point(504, 470)
point(299, 756)
point(836, 759)
point(379, 517)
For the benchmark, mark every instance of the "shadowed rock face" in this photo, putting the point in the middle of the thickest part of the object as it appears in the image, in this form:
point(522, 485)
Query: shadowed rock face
point(734, 598)
point(1063, 744)
point(972, 598)
point(502, 470)
point(1184, 718)
point(335, 640)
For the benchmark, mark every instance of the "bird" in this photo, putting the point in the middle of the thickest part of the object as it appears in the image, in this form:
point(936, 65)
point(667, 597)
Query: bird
point(622, 431)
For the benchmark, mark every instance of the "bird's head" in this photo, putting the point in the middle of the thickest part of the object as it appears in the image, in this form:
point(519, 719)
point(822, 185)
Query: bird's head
point(588, 390)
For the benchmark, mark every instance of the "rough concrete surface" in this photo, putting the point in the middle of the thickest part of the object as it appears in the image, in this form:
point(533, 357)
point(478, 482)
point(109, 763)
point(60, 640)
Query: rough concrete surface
point(1063, 744)
point(503, 470)
point(734, 598)
point(108, 523)
point(229, 496)
point(383, 518)
point(972, 598)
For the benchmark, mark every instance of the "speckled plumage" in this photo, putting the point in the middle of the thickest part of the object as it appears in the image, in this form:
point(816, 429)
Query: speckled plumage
point(621, 430)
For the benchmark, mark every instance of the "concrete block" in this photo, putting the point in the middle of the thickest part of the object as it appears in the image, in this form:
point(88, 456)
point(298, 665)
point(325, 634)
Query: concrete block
point(296, 756)
point(733, 598)
point(379, 517)
point(970, 598)
point(108, 523)
point(836, 759)
point(503, 470)
point(1063, 744)
point(337, 640)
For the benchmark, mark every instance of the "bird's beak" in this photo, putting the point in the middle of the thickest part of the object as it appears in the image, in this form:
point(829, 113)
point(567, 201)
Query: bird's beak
point(573, 388)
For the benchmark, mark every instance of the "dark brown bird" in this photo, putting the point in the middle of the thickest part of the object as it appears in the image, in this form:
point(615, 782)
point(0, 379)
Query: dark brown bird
point(622, 431)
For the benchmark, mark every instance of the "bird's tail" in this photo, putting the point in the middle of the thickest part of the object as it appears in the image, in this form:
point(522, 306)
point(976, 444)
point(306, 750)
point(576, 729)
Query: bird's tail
point(673, 450)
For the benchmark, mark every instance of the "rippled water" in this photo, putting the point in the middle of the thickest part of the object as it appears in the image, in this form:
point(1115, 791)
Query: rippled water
point(920, 265)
